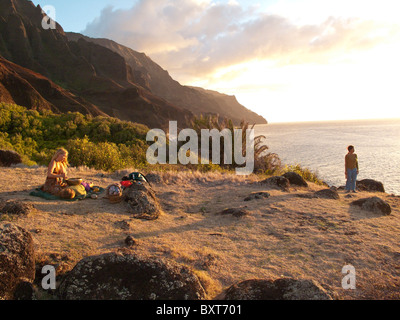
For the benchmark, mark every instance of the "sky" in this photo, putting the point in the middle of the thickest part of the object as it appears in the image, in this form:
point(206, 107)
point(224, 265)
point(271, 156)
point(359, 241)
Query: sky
point(287, 60)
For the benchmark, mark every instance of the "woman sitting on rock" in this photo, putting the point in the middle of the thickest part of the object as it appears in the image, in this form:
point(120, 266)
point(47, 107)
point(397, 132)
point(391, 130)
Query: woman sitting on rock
point(57, 173)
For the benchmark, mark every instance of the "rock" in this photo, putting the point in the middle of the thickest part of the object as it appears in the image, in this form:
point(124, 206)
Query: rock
point(16, 208)
point(115, 276)
point(124, 225)
point(327, 194)
point(281, 289)
point(24, 291)
point(142, 201)
point(277, 182)
point(370, 185)
point(17, 259)
point(9, 157)
point(236, 212)
point(295, 179)
point(130, 241)
point(257, 195)
point(374, 204)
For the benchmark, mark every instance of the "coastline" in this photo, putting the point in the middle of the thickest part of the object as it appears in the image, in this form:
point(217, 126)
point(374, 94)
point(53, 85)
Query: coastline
point(321, 147)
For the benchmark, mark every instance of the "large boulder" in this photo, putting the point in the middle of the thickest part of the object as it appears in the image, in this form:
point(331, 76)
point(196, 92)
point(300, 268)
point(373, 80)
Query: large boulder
point(115, 276)
point(295, 179)
point(17, 259)
point(374, 204)
point(142, 201)
point(370, 185)
point(277, 182)
point(280, 289)
point(9, 157)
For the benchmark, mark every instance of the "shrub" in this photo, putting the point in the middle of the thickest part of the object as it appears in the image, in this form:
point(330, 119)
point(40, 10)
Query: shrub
point(305, 173)
point(268, 164)
point(103, 143)
point(262, 162)
point(101, 156)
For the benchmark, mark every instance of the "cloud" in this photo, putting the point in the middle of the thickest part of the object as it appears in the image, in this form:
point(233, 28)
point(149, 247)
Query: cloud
point(193, 39)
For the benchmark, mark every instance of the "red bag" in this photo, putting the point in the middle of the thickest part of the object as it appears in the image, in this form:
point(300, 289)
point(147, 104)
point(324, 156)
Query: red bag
point(126, 184)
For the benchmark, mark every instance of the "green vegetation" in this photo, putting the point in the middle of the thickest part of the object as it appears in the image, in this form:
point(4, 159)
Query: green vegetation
point(263, 162)
point(102, 143)
point(306, 173)
point(109, 144)
point(98, 142)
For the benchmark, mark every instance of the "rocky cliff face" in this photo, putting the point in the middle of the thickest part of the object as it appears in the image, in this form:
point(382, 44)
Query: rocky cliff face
point(24, 87)
point(92, 72)
point(150, 75)
point(101, 75)
point(74, 65)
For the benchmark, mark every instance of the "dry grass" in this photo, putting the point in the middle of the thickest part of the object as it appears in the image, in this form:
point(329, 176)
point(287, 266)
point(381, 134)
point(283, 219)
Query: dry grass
point(284, 235)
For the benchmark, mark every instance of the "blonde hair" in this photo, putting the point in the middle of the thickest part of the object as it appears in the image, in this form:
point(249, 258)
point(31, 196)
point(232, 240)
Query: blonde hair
point(67, 193)
point(64, 163)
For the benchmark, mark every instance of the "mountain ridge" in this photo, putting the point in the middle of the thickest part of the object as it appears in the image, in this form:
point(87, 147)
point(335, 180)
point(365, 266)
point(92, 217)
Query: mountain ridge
point(197, 100)
point(92, 72)
point(24, 87)
point(107, 77)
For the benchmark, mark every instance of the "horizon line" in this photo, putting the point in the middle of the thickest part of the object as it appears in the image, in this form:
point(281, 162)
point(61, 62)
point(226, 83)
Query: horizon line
point(325, 120)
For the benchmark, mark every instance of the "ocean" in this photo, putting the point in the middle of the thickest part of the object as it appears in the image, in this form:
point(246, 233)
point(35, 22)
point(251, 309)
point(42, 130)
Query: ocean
point(322, 146)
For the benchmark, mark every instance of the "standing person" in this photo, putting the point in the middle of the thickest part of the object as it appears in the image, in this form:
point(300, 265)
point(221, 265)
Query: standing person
point(57, 173)
point(351, 169)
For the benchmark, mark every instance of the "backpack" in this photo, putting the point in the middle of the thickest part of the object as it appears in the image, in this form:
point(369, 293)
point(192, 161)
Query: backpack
point(136, 176)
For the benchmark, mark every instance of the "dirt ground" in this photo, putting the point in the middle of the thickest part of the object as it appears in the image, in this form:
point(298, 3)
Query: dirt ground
point(283, 236)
